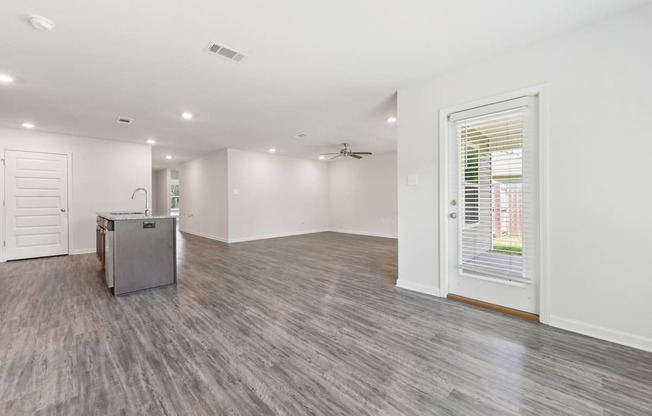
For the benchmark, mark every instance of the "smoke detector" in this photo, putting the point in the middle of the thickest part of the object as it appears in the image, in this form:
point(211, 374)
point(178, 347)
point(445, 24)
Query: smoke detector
point(225, 52)
point(41, 22)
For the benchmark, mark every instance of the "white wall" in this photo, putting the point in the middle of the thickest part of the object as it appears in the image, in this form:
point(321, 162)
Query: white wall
point(104, 175)
point(203, 194)
point(277, 195)
point(269, 195)
point(363, 195)
point(161, 191)
point(599, 106)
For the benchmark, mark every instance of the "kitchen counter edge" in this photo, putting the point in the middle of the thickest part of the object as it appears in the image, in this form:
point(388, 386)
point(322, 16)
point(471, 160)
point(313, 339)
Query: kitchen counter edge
point(123, 217)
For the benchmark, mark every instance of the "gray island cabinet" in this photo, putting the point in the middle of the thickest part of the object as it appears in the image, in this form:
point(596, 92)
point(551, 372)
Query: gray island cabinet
point(137, 251)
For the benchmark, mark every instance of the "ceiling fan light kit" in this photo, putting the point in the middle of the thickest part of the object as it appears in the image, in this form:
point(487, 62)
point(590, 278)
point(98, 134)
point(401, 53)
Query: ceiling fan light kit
point(346, 152)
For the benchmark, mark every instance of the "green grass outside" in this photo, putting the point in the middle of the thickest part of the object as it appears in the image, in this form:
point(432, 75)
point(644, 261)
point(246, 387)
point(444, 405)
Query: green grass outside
point(508, 244)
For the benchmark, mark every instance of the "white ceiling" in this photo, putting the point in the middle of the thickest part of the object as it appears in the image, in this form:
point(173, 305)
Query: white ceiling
point(327, 68)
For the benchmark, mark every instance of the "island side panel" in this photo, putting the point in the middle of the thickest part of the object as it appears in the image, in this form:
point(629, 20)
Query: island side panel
point(145, 254)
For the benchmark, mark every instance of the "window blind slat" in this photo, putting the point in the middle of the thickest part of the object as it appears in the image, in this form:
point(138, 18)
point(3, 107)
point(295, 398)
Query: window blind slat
point(496, 216)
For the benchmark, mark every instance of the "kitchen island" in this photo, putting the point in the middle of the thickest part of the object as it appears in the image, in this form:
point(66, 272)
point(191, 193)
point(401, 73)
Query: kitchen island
point(137, 251)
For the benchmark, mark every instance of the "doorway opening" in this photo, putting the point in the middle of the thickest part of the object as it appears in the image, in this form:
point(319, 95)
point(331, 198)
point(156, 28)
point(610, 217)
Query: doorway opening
point(174, 194)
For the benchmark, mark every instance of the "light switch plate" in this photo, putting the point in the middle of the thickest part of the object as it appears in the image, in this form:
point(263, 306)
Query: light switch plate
point(236, 192)
point(413, 180)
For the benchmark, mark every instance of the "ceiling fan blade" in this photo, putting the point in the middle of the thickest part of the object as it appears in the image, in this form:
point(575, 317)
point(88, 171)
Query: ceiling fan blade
point(355, 156)
point(362, 153)
point(335, 157)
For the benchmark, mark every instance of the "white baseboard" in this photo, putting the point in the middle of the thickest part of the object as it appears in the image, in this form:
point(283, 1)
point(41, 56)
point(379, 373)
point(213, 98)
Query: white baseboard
point(82, 251)
point(370, 234)
point(267, 236)
point(606, 334)
point(210, 237)
point(264, 237)
point(418, 287)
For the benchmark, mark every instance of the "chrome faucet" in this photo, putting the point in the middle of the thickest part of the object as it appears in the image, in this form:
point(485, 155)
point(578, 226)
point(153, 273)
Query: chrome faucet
point(133, 196)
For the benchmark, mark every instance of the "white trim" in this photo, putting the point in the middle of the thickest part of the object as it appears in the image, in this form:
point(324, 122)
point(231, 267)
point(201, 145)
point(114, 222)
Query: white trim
point(497, 106)
point(599, 332)
point(69, 209)
point(2, 208)
point(210, 237)
point(443, 201)
point(82, 251)
point(418, 287)
point(541, 91)
point(265, 237)
point(268, 236)
point(370, 234)
point(544, 230)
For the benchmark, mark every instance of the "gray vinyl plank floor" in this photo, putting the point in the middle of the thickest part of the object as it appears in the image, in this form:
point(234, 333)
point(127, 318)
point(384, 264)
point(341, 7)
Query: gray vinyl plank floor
point(305, 325)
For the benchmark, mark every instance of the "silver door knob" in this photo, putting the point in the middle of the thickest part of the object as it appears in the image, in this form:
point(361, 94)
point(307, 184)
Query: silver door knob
point(452, 215)
point(63, 210)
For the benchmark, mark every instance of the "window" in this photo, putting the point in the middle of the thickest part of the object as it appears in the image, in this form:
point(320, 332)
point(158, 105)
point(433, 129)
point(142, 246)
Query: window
point(174, 196)
point(496, 207)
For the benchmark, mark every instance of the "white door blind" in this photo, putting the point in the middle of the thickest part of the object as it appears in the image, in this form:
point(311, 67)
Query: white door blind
point(495, 224)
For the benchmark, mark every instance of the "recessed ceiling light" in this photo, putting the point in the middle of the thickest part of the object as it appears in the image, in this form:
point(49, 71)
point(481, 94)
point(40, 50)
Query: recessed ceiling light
point(168, 156)
point(28, 125)
point(272, 150)
point(6, 79)
point(391, 119)
point(322, 157)
point(41, 22)
point(151, 141)
point(187, 116)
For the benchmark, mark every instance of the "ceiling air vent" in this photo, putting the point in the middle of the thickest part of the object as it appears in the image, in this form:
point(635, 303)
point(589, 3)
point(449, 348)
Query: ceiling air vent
point(225, 52)
point(124, 120)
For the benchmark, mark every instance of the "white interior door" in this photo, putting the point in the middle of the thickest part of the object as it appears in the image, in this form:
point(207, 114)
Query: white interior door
point(492, 208)
point(36, 204)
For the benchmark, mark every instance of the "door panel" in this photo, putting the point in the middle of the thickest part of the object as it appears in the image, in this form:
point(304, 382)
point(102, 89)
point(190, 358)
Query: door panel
point(36, 199)
point(492, 215)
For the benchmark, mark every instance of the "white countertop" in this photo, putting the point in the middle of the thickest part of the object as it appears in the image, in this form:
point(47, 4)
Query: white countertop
point(120, 216)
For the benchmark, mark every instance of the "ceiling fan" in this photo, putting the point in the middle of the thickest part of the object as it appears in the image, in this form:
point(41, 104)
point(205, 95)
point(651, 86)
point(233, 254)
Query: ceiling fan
point(346, 152)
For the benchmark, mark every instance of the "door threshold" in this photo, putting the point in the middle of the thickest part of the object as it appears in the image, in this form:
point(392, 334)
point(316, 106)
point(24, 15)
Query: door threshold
point(497, 308)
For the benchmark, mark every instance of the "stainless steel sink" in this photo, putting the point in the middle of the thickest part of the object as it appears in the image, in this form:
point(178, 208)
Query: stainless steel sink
point(127, 213)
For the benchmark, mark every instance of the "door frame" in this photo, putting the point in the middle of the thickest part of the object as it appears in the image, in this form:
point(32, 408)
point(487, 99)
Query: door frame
point(3, 228)
point(540, 90)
